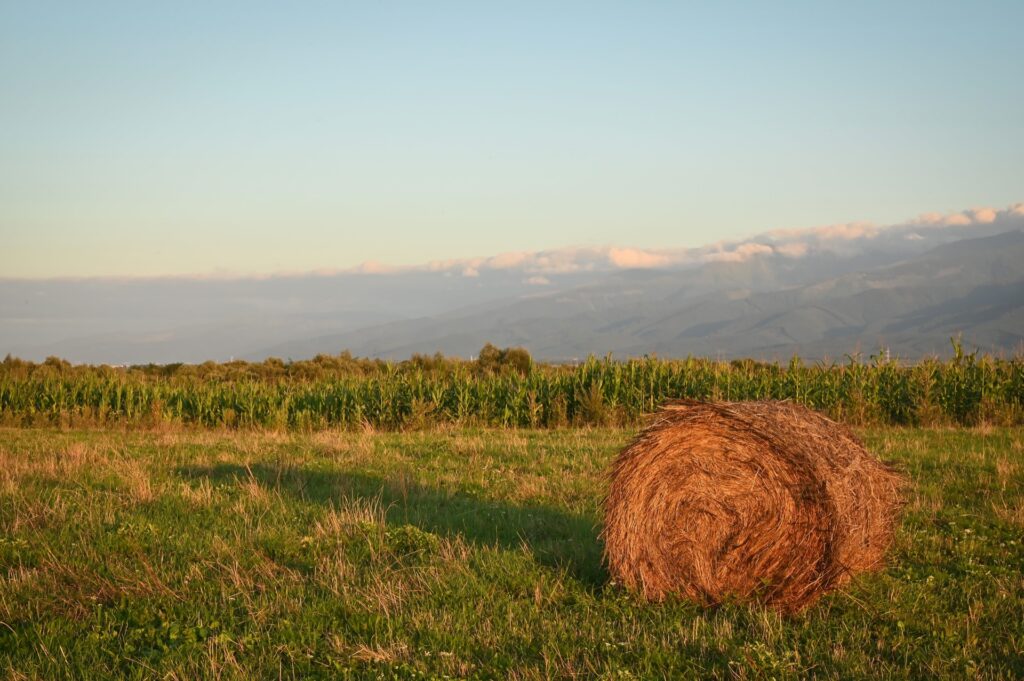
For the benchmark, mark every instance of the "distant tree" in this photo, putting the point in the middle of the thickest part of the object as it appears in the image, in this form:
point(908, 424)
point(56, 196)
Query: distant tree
point(489, 359)
point(435, 362)
point(493, 360)
point(168, 370)
point(518, 359)
point(57, 363)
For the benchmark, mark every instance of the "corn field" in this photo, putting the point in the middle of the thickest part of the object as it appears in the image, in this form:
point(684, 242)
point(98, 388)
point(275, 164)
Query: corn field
point(966, 390)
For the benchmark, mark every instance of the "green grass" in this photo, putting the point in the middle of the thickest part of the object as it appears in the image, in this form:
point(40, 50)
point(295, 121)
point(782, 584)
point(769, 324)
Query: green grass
point(212, 554)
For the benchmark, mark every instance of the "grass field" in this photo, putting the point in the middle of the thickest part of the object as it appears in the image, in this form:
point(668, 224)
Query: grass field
point(455, 553)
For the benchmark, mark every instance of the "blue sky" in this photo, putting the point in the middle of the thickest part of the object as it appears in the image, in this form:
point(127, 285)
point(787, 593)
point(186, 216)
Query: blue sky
point(171, 138)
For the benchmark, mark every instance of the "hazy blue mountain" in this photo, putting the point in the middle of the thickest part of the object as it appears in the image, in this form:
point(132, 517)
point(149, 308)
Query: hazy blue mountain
point(763, 308)
point(821, 292)
point(180, 319)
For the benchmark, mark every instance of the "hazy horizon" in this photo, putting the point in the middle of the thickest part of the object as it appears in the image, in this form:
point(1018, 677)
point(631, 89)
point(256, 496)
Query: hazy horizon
point(823, 291)
point(846, 238)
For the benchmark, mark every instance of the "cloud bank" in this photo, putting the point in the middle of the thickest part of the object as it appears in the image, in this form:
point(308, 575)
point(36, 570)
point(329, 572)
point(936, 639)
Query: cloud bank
point(539, 268)
point(846, 239)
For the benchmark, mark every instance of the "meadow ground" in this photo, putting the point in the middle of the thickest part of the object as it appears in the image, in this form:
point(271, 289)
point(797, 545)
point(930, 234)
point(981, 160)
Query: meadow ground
point(456, 553)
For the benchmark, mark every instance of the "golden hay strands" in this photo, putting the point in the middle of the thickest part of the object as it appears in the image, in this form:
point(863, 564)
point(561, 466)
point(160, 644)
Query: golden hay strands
point(752, 500)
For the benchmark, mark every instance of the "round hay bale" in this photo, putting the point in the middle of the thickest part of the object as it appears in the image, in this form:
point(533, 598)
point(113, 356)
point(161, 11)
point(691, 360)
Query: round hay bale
point(748, 500)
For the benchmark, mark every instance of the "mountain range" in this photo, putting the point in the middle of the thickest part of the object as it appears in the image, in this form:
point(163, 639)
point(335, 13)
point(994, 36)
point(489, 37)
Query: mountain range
point(821, 292)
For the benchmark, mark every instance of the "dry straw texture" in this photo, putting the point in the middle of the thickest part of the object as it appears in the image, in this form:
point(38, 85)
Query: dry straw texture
point(751, 500)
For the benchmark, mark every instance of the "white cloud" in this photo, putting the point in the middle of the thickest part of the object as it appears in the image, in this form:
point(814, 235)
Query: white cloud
point(506, 261)
point(984, 215)
point(631, 258)
point(846, 231)
point(843, 239)
point(793, 249)
point(981, 216)
point(957, 220)
point(564, 261)
point(739, 253)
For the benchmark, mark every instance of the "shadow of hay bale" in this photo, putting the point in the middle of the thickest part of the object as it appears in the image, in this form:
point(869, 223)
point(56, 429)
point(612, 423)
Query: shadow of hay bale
point(760, 501)
point(556, 538)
